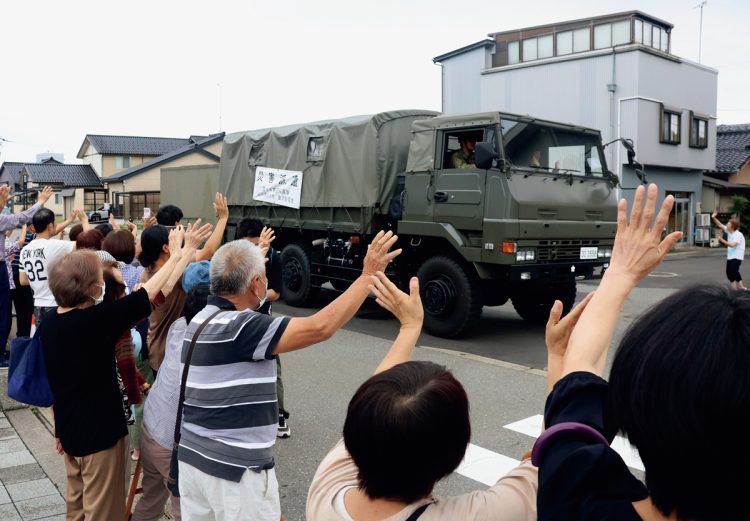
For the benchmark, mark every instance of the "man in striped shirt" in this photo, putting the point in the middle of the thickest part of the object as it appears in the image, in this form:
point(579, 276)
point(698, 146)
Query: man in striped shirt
point(230, 413)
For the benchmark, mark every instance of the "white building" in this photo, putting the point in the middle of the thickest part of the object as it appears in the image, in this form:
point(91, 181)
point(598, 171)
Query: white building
point(614, 73)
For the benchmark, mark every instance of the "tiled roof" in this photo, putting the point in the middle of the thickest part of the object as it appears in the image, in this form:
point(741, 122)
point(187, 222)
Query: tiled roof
point(196, 144)
point(10, 172)
point(69, 176)
point(732, 146)
point(132, 145)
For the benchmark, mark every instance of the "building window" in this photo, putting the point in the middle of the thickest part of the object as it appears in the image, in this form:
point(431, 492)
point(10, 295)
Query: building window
point(664, 41)
point(57, 198)
point(136, 202)
point(529, 49)
point(647, 33)
point(513, 56)
point(621, 32)
point(582, 40)
point(698, 131)
point(545, 46)
point(603, 36)
point(122, 162)
point(656, 39)
point(638, 31)
point(564, 43)
point(93, 199)
point(671, 122)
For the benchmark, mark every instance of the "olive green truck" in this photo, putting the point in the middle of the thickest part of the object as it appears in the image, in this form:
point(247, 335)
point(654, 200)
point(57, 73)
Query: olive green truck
point(531, 210)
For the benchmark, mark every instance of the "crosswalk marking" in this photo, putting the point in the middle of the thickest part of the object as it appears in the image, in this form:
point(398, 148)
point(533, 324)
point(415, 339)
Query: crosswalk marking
point(486, 466)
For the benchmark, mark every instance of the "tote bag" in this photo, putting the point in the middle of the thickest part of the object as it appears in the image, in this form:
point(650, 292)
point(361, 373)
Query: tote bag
point(27, 374)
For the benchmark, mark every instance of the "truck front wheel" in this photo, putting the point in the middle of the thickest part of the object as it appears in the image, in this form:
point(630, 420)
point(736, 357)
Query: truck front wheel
point(296, 276)
point(451, 297)
point(533, 302)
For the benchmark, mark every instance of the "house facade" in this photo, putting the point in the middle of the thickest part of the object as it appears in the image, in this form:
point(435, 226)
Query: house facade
point(615, 73)
point(732, 173)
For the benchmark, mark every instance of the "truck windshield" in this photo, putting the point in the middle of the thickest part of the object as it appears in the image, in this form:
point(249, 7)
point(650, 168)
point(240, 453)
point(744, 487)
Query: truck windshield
point(551, 149)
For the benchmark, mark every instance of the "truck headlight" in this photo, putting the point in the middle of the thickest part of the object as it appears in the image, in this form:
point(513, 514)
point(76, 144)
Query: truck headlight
point(608, 253)
point(530, 255)
point(520, 256)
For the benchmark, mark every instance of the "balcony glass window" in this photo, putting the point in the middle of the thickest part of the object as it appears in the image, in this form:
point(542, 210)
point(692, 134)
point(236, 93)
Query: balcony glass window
point(603, 36)
point(529, 49)
point(664, 41)
point(647, 32)
point(564, 43)
point(621, 32)
point(582, 40)
point(638, 31)
point(545, 46)
point(656, 42)
point(513, 53)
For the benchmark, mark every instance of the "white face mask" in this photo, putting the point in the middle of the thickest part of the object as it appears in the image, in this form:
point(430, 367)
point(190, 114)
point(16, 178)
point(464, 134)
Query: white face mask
point(263, 300)
point(101, 297)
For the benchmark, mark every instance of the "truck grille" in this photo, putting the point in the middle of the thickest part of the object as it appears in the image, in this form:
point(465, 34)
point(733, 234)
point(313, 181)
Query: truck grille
point(561, 250)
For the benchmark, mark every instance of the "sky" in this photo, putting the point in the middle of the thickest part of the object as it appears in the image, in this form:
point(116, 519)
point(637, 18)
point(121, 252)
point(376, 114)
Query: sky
point(169, 68)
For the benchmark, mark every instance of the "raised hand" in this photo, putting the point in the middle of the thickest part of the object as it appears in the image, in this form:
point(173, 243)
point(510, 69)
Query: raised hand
point(378, 255)
point(148, 223)
point(220, 206)
point(264, 241)
point(176, 238)
point(406, 308)
point(44, 195)
point(113, 221)
point(196, 234)
point(558, 330)
point(638, 246)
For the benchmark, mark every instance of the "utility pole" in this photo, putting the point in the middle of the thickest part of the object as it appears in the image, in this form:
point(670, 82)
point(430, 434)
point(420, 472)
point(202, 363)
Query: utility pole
point(700, 6)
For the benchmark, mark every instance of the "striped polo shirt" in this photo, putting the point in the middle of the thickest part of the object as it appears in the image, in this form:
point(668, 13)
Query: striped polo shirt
point(231, 411)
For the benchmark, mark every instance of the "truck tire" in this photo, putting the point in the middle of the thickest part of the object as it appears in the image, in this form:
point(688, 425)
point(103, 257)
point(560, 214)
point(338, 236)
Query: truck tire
point(533, 303)
point(451, 296)
point(296, 276)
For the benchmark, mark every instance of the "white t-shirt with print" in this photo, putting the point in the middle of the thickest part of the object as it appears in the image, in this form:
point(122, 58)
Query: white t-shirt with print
point(35, 260)
point(738, 252)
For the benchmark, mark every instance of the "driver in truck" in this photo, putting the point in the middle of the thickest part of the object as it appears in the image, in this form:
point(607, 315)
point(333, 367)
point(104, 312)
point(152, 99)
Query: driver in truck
point(464, 158)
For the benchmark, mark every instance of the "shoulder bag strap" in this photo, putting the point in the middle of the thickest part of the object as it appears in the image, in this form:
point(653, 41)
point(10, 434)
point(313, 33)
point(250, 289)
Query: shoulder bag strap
point(183, 383)
point(418, 512)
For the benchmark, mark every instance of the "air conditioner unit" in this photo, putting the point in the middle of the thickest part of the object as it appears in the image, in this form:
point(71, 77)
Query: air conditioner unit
point(702, 235)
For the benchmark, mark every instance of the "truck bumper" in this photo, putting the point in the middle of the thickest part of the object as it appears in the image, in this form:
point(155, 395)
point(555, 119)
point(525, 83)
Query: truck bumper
point(577, 269)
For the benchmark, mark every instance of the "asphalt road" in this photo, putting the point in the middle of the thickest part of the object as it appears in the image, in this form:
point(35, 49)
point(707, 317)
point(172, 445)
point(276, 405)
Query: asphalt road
point(500, 364)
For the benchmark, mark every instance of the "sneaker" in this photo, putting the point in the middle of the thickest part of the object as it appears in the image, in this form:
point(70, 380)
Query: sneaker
point(283, 431)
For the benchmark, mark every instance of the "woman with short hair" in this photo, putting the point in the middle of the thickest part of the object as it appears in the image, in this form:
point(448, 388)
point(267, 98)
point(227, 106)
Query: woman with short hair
point(78, 340)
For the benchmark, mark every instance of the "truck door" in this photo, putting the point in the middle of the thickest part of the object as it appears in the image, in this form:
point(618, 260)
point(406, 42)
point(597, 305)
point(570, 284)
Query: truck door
point(458, 188)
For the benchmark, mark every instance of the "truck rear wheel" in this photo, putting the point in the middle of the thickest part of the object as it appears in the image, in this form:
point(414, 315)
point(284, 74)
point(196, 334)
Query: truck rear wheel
point(451, 297)
point(533, 303)
point(296, 276)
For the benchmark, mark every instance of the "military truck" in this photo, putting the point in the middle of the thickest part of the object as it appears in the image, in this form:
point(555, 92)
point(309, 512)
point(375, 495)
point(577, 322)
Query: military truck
point(533, 209)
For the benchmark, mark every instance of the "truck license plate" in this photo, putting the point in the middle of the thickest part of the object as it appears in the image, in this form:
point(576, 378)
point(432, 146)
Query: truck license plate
point(589, 253)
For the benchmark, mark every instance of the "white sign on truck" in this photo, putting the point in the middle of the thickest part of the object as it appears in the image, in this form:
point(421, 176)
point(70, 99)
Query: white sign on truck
point(282, 187)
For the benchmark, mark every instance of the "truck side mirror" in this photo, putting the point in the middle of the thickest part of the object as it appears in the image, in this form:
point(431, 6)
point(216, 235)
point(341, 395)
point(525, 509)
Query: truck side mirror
point(628, 144)
point(483, 155)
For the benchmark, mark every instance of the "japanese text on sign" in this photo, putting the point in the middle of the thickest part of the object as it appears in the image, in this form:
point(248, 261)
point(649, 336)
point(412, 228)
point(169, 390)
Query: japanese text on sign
point(282, 187)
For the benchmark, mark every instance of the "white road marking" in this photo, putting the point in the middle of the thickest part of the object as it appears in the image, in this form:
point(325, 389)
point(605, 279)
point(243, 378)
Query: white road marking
point(485, 466)
point(532, 426)
point(663, 274)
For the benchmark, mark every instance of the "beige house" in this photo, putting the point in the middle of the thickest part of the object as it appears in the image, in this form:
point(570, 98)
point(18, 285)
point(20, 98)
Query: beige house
point(732, 174)
point(132, 189)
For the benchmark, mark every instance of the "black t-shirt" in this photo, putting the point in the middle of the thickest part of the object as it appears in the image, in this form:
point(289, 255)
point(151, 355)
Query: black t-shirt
point(273, 274)
point(579, 480)
point(79, 354)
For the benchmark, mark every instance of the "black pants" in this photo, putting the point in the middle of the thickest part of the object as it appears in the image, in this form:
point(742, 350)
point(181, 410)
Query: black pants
point(23, 303)
point(733, 270)
point(4, 309)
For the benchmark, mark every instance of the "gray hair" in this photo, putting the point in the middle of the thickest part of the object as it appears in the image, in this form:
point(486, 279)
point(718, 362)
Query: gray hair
point(234, 266)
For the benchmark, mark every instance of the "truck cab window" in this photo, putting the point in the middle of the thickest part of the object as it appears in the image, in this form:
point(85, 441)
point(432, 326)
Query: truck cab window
point(458, 148)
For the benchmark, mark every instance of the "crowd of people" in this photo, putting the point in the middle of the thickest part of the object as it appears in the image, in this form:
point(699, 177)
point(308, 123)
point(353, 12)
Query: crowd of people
point(161, 346)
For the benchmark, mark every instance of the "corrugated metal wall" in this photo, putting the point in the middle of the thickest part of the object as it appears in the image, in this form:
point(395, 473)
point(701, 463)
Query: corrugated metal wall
point(461, 82)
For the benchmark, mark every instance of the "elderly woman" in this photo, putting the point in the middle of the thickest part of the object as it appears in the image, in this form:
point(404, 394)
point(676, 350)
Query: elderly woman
point(78, 341)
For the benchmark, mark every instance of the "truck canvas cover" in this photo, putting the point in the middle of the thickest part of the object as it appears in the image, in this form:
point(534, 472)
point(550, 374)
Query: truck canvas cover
point(352, 162)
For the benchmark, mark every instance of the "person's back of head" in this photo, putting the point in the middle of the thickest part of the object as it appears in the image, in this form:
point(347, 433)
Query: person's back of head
point(734, 225)
point(248, 228)
point(153, 240)
point(169, 215)
point(75, 231)
point(196, 300)
point(121, 245)
point(42, 219)
point(104, 228)
point(91, 240)
point(680, 390)
point(406, 428)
